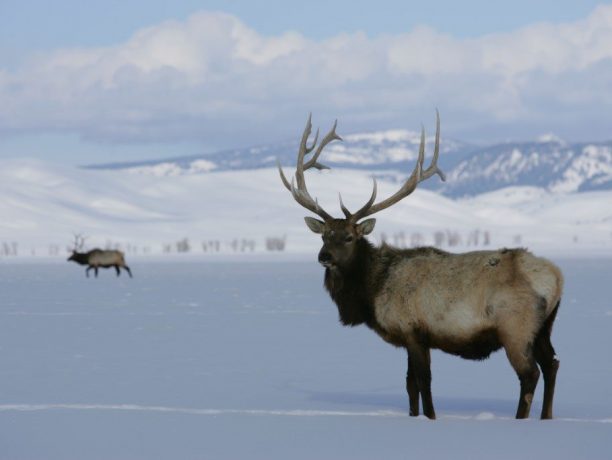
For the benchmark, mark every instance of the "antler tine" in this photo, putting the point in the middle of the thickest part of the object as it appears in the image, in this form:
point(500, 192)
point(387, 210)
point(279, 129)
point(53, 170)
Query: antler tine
point(360, 212)
point(282, 175)
point(433, 167)
point(329, 137)
point(345, 210)
point(300, 193)
point(299, 172)
point(303, 150)
point(304, 198)
point(314, 143)
point(418, 175)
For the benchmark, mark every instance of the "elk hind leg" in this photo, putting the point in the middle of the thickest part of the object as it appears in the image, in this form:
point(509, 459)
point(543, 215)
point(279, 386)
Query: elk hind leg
point(521, 357)
point(117, 269)
point(547, 359)
point(127, 269)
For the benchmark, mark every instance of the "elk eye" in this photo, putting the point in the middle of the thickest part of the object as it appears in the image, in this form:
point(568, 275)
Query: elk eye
point(348, 239)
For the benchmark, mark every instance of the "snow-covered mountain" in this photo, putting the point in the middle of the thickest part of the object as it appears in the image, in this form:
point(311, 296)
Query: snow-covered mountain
point(547, 163)
point(550, 164)
point(393, 150)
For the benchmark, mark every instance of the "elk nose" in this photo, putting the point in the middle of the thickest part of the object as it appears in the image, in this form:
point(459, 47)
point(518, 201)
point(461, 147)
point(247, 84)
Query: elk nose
point(325, 258)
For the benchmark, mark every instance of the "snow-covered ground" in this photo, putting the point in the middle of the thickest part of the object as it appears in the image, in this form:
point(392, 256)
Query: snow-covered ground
point(230, 354)
point(245, 358)
point(43, 205)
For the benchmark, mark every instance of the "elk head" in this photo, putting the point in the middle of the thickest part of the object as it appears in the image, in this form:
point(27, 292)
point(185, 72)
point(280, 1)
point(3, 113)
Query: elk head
point(342, 236)
point(77, 246)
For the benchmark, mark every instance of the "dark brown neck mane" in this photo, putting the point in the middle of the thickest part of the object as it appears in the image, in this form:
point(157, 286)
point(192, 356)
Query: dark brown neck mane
point(81, 258)
point(354, 287)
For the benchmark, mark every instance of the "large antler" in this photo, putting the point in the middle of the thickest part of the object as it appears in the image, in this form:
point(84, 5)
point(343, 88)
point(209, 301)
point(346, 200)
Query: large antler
point(418, 175)
point(78, 243)
point(301, 194)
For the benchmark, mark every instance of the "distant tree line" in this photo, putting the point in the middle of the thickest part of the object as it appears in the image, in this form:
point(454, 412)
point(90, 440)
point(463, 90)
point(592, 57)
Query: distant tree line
point(235, 245)
point(439, 238)
point(9, 248)
point(278, 243)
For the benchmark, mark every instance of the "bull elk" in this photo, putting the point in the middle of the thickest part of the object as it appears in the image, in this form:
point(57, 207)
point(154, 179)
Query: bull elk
point(468, 304)
point(97, 258)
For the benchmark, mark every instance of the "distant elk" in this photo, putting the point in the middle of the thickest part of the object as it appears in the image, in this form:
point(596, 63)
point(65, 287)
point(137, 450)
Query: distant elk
point(97, 258)
point(467, 304)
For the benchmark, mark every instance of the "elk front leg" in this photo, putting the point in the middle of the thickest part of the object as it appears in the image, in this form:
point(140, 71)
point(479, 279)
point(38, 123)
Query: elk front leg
point(420, 358)
point(412, 388)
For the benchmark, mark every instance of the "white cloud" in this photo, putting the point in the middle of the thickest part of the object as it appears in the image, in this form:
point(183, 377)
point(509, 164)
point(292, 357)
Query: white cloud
point(212, 77)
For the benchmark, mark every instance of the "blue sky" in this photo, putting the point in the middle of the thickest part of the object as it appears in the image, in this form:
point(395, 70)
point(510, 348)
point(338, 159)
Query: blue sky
point(85, 82)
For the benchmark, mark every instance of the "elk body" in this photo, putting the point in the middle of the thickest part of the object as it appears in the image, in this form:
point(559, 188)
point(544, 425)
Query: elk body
point(98, 258)
point(468, 304)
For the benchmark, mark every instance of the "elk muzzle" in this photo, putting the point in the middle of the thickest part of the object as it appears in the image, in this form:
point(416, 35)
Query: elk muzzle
point(325, 258)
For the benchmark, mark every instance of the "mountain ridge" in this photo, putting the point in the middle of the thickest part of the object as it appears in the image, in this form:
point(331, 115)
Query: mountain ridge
point(549, 162)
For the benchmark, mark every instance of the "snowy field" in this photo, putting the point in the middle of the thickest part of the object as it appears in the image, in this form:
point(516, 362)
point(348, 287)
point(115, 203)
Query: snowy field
point(246, 359)
point(43, 205)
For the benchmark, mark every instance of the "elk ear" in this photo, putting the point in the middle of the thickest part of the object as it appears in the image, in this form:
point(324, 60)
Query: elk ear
point(366, 227)
point(315, 225)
